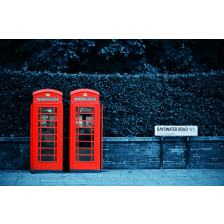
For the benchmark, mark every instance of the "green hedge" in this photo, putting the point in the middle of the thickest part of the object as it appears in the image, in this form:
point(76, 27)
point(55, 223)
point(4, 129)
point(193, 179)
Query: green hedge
point(133, 105)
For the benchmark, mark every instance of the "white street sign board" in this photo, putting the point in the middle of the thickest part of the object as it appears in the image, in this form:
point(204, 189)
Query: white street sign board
point(177, 130)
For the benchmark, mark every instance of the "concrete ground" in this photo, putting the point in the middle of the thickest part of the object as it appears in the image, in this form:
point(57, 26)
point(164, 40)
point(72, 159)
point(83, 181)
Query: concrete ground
point(116, 177)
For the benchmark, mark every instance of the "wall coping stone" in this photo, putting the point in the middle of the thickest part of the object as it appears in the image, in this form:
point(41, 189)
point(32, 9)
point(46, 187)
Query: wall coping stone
point(132, 139)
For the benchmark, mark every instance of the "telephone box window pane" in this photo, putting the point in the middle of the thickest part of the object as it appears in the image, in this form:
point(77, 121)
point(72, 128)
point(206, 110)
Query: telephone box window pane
point(47, 123)
point(47, 144)
point(47, 109)
point(55, 124)
point(84, 158)
point(38, 123)
point(55, 137)
point(84, 137)
point(84, 123)
point(92, 144)
point(43, 124)
point(92, 137)
point(47, 131)
point(88, 123)
point(55, 158)
point(93, 117)
point(84, 151)
point(38, 158)
point(47, 137)
point(85, 110)
point(55, 130)
point(47, 151)
point(38, 144)
point(47, 158)
point(56, 109)
point(85, 131)
point(55, 144)
point(38, 109)
point(55, 151)
point(47, 117)
point(85, 144)
point(38, 151)
point(93, 109)
point(92, 158)
point(38, 137)
point(76, 109)
point(50, 123)
point(85, 117)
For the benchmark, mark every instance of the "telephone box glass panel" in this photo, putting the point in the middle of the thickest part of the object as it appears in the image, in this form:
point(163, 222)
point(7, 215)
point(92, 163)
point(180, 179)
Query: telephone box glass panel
point(85, 134)
point(47, 139)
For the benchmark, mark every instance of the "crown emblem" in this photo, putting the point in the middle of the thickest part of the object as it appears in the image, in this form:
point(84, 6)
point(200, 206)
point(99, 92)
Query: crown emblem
point(84, 94)
point(47, 94)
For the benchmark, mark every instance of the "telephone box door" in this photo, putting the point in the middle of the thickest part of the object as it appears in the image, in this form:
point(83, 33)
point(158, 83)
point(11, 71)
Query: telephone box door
point(47, 130)
point(85, 131)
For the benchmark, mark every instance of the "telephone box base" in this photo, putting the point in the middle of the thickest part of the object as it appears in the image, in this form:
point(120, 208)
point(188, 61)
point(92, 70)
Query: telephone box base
point(46, 171)
point(85, 171)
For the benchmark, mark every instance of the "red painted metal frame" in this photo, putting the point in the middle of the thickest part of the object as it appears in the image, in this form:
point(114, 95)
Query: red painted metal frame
point(46, 165)
point(74, 162)
point(101, 137)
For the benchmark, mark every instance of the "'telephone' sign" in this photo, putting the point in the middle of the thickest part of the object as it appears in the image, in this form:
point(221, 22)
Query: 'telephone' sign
point(176, 130)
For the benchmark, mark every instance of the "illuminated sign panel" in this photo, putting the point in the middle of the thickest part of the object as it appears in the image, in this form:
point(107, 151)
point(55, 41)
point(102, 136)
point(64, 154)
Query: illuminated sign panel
point(47, 98)
point(85, 98)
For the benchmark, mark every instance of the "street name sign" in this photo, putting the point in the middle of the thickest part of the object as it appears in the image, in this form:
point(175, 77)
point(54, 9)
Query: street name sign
point(178, 130)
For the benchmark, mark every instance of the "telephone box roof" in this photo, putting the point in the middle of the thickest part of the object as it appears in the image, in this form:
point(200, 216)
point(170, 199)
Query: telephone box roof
point(48, 91)
point(84, 90)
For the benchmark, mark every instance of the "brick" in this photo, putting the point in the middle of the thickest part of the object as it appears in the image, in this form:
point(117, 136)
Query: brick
point(130, 153)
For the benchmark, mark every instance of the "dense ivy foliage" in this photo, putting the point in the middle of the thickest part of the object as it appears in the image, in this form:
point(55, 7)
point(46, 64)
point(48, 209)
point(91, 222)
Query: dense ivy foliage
point(133, 104)
point(112, 56)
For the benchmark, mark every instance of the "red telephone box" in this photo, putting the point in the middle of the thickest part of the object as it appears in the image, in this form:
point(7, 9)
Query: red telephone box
point(46, 140)
point(85, 131)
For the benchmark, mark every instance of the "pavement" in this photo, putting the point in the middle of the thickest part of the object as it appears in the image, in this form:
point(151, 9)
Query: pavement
point(116, 177)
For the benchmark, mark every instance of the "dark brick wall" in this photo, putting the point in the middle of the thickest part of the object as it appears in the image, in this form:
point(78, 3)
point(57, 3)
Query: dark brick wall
point(206, 153)
point(131, 153)
point(66, 154)
point(174, 153)
point(15, 154)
